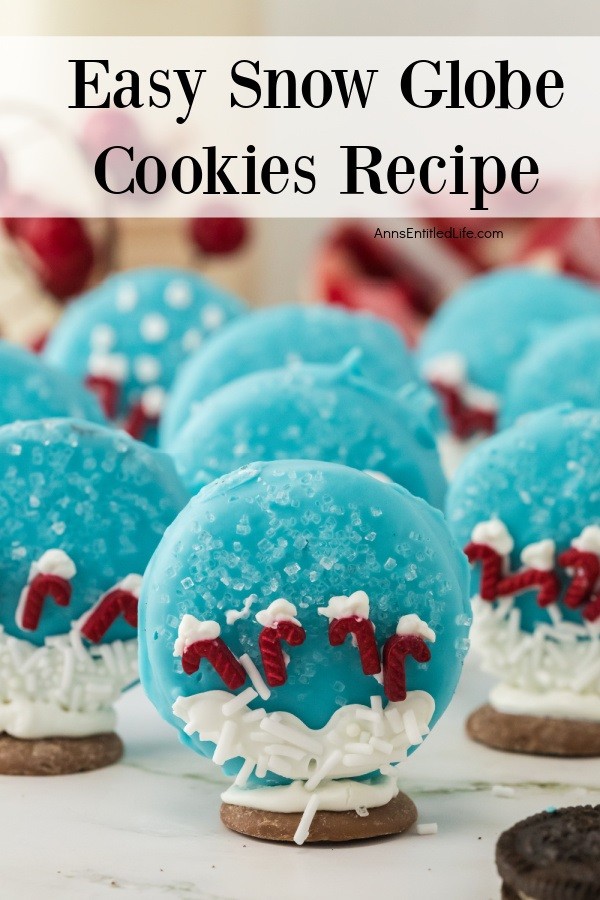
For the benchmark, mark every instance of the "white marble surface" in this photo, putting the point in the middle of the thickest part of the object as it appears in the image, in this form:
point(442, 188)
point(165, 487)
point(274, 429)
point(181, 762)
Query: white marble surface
point(150, 827)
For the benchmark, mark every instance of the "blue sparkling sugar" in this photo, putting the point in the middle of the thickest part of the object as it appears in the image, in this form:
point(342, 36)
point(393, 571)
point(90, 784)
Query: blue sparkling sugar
point(145, 322)
point(304, 531)
point(542, 479)
point(320, 412)
point(91, 491)
point(31, 389)
point(279, 337)
point(565, 367)
point(493, 320)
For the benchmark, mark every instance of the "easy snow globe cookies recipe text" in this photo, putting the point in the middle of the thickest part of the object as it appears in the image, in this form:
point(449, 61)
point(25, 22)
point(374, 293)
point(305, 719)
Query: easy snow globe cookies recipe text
point(304, 625)
point(526, 508)
point(83, 508)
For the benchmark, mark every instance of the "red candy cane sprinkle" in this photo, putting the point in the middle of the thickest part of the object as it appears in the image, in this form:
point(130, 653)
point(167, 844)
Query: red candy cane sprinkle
point(395, 651)
point(218, 654)
point(269, 642)
point(364, 632)
point(465, 420)
point(492, 564)
point(40, 588)
point(120, 600)
point(586, 571)
point(108, 392)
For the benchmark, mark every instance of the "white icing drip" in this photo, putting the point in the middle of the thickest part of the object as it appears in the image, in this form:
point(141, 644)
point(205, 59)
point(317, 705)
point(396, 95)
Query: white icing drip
point(556, 704)
point(357, 604)
point(234, 615)
point(412, 624)
point(63, 688)
point(191, 630)
point(588, 540)
point(53, 562)
point(363, 744)
point(153, 401)
point(493, 533)
point(279, 610)
point(108, 365)
point(539, 555)
point(131, 583)
point(554, 658)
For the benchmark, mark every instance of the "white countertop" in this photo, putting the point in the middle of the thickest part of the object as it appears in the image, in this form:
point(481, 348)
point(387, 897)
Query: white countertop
point(149, 827)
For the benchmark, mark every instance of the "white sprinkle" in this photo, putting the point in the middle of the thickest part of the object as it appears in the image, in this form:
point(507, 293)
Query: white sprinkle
point(292, 735)
point(353, 760)
point(285, 750)
point(427, 828)
point(308, 815)
point(376, 703)
point(224, 749)
point(178, 295)
point(255, 677)
point(255, 715)
point(244, 774)
point(394, 720)
point(191, 340)
point(126, 298)
point(239, 702)
point(382, 746)
point(211, 317)
point(154, 328)
point(388, 770)
point(362, 749)
point(362, 811)
point(502, 790)
point(102, 338)
point(412, 728)
point(261, 766)
point(146, 368)
point(233, 615)
point(328, 766)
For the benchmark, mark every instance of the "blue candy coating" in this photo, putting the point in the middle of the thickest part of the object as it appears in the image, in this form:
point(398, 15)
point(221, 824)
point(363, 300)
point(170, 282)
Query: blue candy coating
point(31, 389)
point(542, 479)
point(493, 319)
point(91, 491)
point(304, 531)
point(275, 337)
point(152, 319)
point(565, 367)
point(318, 412)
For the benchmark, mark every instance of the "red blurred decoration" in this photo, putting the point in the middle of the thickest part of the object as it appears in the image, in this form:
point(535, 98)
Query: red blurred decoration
point(59, 250)
point(219, 236)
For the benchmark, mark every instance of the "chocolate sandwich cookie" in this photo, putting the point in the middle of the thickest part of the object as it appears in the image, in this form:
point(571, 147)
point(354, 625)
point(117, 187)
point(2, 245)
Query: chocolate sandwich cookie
point(552, 856)
point(538, 735)
point(326, 826)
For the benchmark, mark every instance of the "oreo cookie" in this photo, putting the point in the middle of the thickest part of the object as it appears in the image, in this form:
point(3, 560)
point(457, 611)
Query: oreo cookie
point(552, 856)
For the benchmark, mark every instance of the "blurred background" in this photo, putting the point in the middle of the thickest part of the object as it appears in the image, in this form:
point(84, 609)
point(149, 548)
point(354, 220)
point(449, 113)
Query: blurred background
point(270, 261)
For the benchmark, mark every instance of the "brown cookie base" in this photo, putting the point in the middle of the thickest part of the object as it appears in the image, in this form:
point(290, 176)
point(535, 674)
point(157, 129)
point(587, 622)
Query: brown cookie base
point(537, 735)
point(508, 893)
point(393, 818)
point(58, 755)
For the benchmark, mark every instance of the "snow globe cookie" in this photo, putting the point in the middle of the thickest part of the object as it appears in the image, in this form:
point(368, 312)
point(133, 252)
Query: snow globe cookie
point(304, 626)
point(127, 337)
point(325, 412)
point(562, 368)
point(31, 389)
point(82, 508)
point(282, 336)
point(526, 507)
point(470, 346)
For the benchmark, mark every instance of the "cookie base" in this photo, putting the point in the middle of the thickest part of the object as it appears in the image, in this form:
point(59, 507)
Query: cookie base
point(535, 735)
point(58, 755)
point(508, 893)
point(326, 827)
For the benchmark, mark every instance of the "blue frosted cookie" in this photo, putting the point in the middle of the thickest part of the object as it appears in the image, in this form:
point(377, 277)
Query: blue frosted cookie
point(564, 367)
point(319, 412)
point(303, 622)
point(127, 338)
point(82, 509)
point(31, 389)
point(526, 507)
point(282, 336)
point(470, 346)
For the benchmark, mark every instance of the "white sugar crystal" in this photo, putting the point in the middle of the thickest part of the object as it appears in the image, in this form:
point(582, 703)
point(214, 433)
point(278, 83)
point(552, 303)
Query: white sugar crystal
point(102, 338)
point(178, 294)
point(191, 340)
point(154, 328)
point(126, 298)
point(212, 317)
point(146, 368)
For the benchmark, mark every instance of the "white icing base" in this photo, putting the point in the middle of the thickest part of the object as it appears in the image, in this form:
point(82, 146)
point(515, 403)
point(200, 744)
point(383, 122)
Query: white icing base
point(552, 671)
point(334, 796)
point(355, 741)
point(29, 720)
point(64, 688)
point(553, 704)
